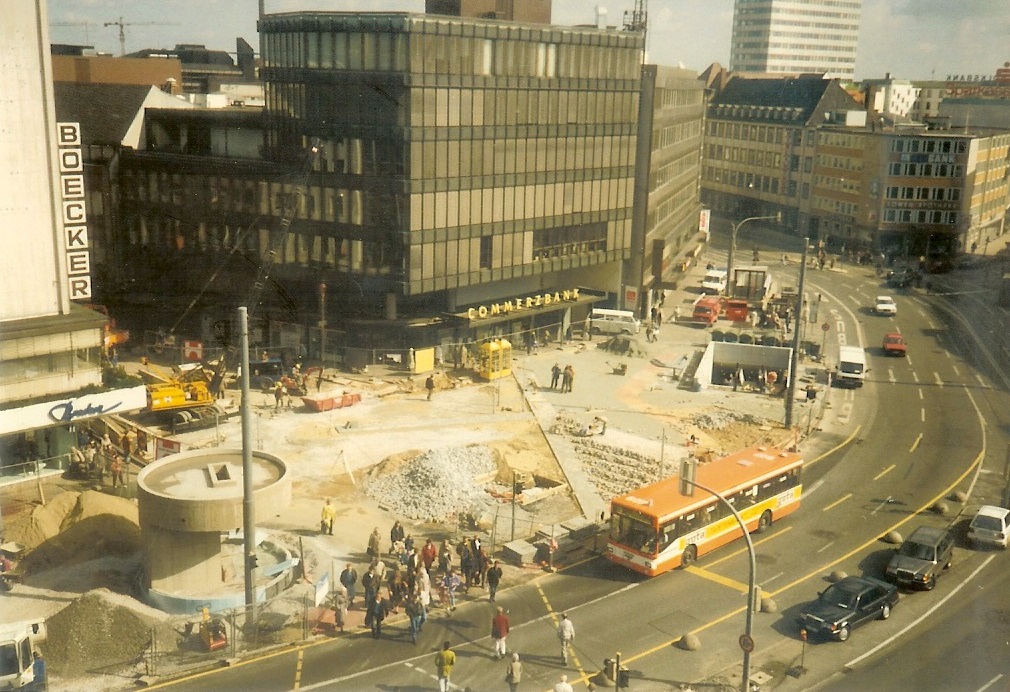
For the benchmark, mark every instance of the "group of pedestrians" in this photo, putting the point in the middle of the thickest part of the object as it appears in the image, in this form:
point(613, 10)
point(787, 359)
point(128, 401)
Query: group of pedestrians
point(566, 377)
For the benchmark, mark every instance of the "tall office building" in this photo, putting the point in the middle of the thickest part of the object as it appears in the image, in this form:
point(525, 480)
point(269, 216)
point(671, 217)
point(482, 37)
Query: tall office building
point(796, 36)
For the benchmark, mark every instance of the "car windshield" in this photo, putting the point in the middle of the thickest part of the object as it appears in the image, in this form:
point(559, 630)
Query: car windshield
point(919, 551)
point(987, 523)
point(839, 596)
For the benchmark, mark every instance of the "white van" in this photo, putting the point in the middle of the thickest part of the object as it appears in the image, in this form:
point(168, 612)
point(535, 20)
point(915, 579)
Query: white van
point(851, 366)
point(714, 281)
point(606, 321)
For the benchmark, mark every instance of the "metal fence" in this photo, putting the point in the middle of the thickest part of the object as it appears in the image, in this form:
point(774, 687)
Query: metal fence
point(191, 642)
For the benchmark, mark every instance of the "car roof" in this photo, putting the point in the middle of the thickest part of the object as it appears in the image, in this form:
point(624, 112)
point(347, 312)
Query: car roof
point(893, 335)
point(992, 511)
point(856, 583)
point(927, 534)
point(881, 299)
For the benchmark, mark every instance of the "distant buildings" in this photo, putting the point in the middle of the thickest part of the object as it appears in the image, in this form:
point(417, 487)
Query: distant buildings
point(782, 37)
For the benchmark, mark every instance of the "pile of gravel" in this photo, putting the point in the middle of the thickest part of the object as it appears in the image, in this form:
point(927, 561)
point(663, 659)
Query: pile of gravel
point(436, 484)
point(720, 418)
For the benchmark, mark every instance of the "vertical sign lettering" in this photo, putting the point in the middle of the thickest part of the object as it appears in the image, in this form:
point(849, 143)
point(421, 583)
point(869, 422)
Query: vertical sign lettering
point(75, 213)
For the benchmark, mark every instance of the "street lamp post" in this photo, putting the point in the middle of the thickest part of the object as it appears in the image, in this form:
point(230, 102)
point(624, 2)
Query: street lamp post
point(794, 356)
point(730, 281)
point(747, 640)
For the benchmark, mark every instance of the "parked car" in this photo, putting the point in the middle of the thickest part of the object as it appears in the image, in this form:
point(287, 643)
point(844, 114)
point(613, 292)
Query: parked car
point(885, 305)
point(991, 526)
point(894, 344)
point(921, 558)
point(847, 604)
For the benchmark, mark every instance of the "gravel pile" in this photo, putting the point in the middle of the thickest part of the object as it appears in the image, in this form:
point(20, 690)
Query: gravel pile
point(436, 484)
point(716, 419)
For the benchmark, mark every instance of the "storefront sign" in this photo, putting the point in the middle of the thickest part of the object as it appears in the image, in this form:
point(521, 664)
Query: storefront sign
point(528, 303)
point(72, 410)
point(75, 215)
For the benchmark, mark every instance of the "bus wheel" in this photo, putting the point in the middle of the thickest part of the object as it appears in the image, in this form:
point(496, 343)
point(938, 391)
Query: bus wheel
point(764, 522)
point(689, 556)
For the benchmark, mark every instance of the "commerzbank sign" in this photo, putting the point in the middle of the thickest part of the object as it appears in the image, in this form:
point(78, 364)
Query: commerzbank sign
point(69, 410)
point(532, 302)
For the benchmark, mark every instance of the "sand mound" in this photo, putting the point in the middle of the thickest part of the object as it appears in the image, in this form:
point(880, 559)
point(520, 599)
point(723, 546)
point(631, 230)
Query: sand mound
point(100, 630)
point(74, 527)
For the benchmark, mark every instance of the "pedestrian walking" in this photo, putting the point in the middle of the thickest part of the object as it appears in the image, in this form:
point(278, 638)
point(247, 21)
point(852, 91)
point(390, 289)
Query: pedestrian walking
point(648, 333)
point(569, 376)
point(449, 583)
point(380, 609)
point(413, 609)
point(422, 590)
point(444, 557)
point(396, 533)
point(514, 673)
point(565, 381)
point(555, 376)
point(370, 583)
point(328, 517)
point(563, 685)
point(349, 580)
point(429, 553)
point(116, 470)
point(499, 631)
point(566, 633)
point(676, 313)
point(373, 544)
point(444, 661)
point(494, 574)
point(278, 395)
point(340, 606)
point(429, 384)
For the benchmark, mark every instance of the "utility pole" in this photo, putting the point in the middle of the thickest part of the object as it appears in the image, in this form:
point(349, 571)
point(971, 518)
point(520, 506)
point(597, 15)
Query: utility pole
point(794, 358)
point(248, 509)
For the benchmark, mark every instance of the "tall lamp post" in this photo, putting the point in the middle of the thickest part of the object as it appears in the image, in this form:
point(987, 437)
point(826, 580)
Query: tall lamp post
point(794, 356)
point(730, 281)
point(688, 483)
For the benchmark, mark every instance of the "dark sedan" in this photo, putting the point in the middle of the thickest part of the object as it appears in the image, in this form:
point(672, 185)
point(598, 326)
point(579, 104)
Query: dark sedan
point(847, 604)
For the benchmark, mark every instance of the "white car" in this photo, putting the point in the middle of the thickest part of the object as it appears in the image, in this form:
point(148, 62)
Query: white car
point(991, 526)
point(885, 305)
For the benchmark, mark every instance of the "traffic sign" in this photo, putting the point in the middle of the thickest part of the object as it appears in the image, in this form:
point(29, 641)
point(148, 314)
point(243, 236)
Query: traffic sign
point(747, 643)
point(825, 327)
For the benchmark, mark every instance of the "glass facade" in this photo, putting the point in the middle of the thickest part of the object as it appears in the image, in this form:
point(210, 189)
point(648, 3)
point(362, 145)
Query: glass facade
point(462, 152)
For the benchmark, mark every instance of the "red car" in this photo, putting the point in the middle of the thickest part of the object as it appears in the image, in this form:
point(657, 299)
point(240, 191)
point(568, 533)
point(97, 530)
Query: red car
point(894, 345)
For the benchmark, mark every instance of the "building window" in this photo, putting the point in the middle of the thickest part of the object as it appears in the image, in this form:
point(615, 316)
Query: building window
point(485, 252)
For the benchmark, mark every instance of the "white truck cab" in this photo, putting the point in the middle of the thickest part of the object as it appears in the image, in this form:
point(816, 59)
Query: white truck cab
point(18, 642)
point(851, 366)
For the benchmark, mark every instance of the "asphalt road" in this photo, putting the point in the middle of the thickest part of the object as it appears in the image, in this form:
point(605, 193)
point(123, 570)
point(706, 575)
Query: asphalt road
point(921, 426)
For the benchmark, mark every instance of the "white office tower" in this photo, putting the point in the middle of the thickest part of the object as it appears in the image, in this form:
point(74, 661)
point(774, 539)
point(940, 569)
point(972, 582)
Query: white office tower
point(785, 37)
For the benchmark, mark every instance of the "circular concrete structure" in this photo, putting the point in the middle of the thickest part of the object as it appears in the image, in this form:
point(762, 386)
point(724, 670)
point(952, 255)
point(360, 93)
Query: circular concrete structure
point(190, 508)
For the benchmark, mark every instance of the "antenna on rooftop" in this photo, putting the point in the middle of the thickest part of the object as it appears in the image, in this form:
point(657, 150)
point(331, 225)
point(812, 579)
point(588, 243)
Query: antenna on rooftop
point(638, 20)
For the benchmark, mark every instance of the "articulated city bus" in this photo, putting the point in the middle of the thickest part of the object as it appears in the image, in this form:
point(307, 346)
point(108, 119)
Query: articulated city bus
point(655, 528)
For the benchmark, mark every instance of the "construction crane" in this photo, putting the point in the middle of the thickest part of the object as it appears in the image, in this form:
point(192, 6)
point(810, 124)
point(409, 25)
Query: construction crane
point(122, 30)
point(279, 240)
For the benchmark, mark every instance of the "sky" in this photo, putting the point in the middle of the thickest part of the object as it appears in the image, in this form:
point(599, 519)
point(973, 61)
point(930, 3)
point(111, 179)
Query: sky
point(910, 39)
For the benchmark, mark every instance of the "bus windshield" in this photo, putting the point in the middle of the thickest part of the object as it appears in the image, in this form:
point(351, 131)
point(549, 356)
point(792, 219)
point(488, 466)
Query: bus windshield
point(632, 531)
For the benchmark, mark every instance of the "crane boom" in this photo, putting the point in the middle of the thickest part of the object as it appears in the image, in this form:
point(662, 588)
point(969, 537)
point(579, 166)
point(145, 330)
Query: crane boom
point(290, 207)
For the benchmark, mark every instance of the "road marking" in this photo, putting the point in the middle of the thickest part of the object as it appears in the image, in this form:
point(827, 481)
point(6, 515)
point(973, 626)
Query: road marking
point(890, 376)
point(939, 382)
point(981, 381)
point(908, 360)
point(922, 415)
point(990, 683)
point(885, 471)
point(837, 502)
point(825, 546)
point(922, 617)
point(298, 669)
point(920, 395)
point(915, 444)
point(914, 376)
point(956, 371)
point(554, 620)
point(719, 579)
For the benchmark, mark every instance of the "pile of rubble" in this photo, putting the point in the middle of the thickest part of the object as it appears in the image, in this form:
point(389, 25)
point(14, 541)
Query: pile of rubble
point(436, 484)
point(616, 470)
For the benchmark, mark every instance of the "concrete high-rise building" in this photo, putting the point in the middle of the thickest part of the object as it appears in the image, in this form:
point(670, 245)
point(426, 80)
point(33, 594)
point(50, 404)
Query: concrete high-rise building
point(796, 36)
